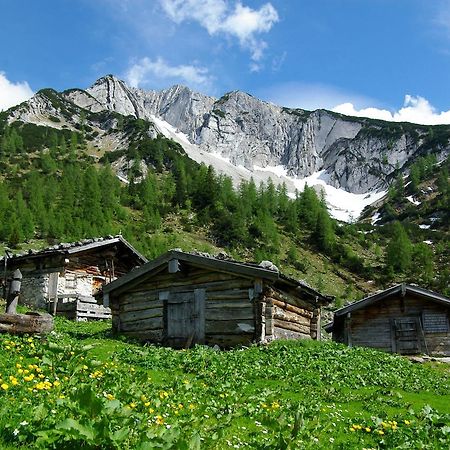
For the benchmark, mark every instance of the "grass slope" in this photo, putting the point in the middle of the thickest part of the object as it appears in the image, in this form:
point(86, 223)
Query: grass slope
point(83, 388)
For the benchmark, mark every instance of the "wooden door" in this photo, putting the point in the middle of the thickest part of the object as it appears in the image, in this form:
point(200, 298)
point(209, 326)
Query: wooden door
point(185, 318)
point(407, 335)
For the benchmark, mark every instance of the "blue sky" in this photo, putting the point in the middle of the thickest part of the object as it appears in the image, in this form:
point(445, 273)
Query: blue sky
point(355, 56)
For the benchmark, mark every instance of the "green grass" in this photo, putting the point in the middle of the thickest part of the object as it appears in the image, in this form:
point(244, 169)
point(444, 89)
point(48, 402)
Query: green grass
point(112, 393)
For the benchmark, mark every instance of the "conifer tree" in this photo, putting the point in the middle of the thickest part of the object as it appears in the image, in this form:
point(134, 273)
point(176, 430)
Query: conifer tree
point(399, 250)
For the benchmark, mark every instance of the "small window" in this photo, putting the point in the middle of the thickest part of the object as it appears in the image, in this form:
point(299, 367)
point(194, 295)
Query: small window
point(435, 322)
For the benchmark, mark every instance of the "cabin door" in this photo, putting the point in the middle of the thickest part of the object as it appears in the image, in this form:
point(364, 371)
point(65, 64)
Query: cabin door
point(185, 325)
point(407, 335)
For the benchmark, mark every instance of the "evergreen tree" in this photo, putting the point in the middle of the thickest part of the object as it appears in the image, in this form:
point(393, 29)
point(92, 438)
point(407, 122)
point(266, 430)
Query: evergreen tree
point(399, 250)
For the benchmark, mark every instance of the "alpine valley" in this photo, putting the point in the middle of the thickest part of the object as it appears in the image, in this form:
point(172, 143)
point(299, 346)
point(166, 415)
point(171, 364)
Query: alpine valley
point(347, 204)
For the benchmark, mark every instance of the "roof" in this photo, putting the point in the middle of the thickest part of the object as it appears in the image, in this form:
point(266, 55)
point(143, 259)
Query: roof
point(76, 247)
point(220, 263)
point(401, 289)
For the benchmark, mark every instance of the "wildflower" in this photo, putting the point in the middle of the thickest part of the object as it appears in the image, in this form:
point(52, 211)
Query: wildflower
point(368, 429)
point(24, 423)
point(16, 432)
point(133, 405)
point(159, 420)
point(147, 404)
point(143, 398)
point(29, 377)
point(407, 422)
point(380, 432)
point(275, 405)
point(110, 397)
point(4, 386)
point(56, 383)
point(151, 410)
point(18, 366)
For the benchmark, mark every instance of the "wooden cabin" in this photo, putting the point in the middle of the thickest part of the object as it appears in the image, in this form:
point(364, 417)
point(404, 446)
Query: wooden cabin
point(181, 299)
point(70, 274)
point(404, 319)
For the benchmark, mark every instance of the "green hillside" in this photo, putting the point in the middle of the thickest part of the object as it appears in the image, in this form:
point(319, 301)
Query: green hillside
point(60, 185)
point(82, 388)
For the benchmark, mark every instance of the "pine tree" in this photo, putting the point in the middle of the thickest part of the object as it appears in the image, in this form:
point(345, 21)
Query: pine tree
point(323, 235)
point(399, 250)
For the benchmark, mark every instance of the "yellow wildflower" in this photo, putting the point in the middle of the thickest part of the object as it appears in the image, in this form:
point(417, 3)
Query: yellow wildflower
point(368, 429)
point(110, 397)
point(407, 422)
point(132, 405)
point(159, 420)
point(56, 383)
point(4, 386)
point(151, 410)
point(147, 404)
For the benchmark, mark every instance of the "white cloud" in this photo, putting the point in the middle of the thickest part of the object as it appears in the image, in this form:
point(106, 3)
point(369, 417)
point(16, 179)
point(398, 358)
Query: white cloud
point(12, 94)
point(311, 96)
point(216, 16)
point(415, 110)
point(147, 70)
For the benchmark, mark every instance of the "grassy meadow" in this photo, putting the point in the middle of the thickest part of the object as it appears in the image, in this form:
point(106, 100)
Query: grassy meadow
point(82, 388)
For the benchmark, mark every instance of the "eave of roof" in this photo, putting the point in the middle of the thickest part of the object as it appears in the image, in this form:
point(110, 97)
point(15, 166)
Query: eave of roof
point(405, 288)
point(244, 269)
point(76, 247)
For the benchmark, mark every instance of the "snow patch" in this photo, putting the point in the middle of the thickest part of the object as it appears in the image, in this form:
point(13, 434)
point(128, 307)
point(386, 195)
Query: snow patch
point(375, 218)
point(411, 199)
point(343, 205)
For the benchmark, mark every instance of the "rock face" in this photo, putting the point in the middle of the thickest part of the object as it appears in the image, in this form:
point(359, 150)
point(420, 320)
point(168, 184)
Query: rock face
point(355, 154)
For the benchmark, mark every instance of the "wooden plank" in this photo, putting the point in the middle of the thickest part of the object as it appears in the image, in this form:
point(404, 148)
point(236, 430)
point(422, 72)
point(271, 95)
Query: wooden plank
point(154, 323)
point(295, 309)
point(281, 333)
point(279, 313)
point(141, 306)
point(155, 336)
point(141, 315)
point(199, 316)
point(246, 313)
point(292, 326)
point(224, 304)
point(229, 326)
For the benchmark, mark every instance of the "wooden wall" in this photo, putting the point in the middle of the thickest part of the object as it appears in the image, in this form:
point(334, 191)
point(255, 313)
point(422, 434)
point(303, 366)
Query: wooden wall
point(289, 317)
point(237, 310)
point(373, 326)
point(229, 310)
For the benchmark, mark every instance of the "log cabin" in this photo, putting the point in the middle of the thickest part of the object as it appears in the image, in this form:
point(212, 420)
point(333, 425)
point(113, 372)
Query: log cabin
point(65, 277)
point(403, 319)
point(182, 299)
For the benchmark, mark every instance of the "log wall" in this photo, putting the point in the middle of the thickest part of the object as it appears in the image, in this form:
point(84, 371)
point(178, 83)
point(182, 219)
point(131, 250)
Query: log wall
point(372, 326)
point(289, 317)
point(230, 310)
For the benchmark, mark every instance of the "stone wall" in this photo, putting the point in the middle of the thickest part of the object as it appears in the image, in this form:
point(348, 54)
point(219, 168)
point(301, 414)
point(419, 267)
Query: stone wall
point(34, 290)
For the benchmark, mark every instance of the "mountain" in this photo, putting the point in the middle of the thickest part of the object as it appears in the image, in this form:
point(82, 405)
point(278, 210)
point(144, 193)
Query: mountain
point(245, 137)
point(58, 148)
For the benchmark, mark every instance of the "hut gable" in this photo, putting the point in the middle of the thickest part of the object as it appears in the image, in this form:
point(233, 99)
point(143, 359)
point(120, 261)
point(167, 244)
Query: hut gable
point(404, 319)
point(181, 299)
point(72, 271)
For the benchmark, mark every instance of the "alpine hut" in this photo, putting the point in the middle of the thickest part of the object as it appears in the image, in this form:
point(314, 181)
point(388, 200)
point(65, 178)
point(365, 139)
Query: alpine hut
point(403, 319)
point(65, 277)
point(181, 299)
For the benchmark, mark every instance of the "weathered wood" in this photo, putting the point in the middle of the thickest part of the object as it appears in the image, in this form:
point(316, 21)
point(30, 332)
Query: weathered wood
point(26, 323)
point(153, 323)
point(246, 313)
point(155, 336)
point(141, 315)
point(280, 313)
point(225, 304)
point(281, 333)
point(229, 326)
point(291, 326)
point(292, 308)
point(14, 291)
point(199, 316)
point(284, 297)
point(140, 306)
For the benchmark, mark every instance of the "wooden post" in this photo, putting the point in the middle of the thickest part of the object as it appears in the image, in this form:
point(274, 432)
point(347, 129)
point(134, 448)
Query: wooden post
point(14, 291)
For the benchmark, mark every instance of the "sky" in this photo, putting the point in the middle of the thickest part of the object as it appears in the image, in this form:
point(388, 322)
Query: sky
point(388, 59)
